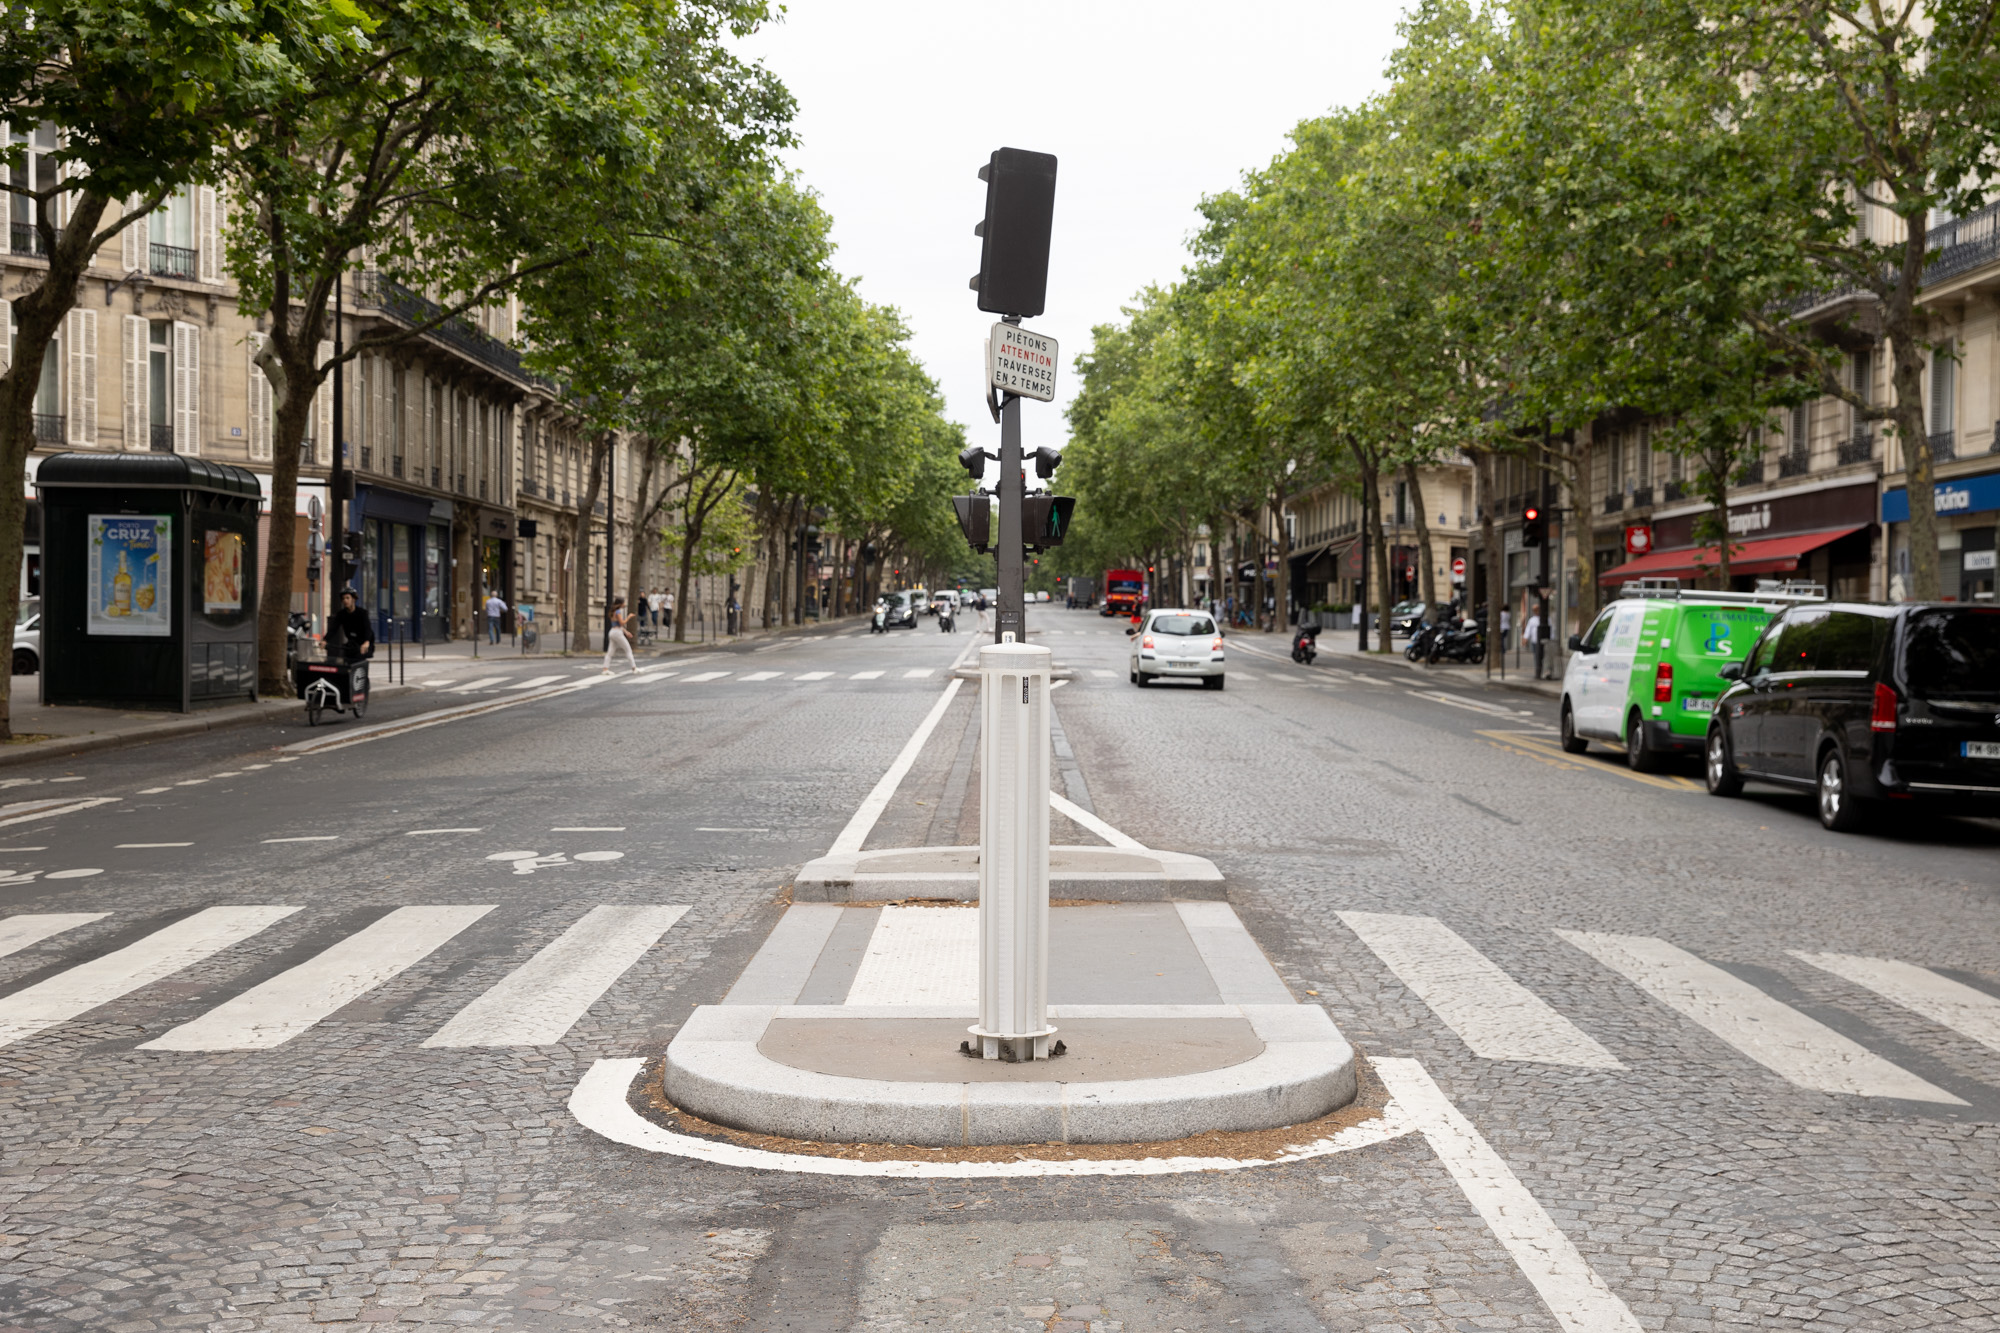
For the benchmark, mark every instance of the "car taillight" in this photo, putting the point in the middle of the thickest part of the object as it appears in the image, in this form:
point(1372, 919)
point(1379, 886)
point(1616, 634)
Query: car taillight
point(1884, 716)
point(1215, 644)
point(1146, 641)
point(1663, 683)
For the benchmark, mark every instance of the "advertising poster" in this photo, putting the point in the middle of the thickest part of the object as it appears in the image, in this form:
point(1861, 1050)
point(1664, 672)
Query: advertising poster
point(221, 572)
point(130, 575)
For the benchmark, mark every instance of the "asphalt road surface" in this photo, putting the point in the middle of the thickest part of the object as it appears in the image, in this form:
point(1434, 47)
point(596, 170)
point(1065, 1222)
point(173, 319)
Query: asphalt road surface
point(288, 1037)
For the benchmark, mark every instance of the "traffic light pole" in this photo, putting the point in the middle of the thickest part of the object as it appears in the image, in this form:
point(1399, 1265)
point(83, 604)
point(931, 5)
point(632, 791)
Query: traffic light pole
point(1009, 615)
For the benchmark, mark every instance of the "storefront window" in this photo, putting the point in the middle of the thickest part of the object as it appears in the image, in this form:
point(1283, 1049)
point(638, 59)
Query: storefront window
point(491, 565)
point(433, 571)
point(370, 582)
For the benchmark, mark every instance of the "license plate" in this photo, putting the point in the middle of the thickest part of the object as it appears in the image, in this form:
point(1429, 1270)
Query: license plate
point(1695, 705)
point(1980, 749)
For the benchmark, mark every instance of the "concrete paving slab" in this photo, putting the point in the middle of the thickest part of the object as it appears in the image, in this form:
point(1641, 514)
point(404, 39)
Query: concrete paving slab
point(925, 1050)
point(1111, 873)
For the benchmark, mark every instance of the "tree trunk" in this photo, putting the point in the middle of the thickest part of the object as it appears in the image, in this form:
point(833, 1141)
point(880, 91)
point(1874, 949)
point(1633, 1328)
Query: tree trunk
point(1426, 558)
point(642, 514)
point(1281, 612)
point(41, 313)
point(580, 597)
point(1384, 575)
point(1495, 560)
point(1578, 548)
point(1906, 327)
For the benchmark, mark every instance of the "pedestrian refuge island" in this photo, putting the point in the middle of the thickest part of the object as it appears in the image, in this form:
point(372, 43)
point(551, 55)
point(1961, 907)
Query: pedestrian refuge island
point(149, 581)
point(932, 1021)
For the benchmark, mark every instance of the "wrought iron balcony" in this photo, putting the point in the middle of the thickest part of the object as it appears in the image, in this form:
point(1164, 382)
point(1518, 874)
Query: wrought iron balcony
point(1794, 464)
point(163, 439)
point(457, 332)
point(1964, 243)
point(1613, 503)
point(1944, 446)
point(1642, 496)
point(51, 429)
point(1860, 448)
point(173, 261)
point(1676, 490)
point(27, 239)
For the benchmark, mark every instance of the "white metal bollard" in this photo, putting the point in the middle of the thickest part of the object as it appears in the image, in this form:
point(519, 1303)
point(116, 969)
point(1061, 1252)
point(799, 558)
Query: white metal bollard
point(1014, 852)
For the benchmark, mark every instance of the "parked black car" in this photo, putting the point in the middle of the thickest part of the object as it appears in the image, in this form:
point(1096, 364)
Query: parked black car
point(1864, 705)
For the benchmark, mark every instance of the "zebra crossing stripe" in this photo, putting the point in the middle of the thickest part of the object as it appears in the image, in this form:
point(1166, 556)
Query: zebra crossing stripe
point(273, 1013)
point(483, 683)
point(815, 675)
point(762, 675)
point(31, 928)
point(1777, 1036)
point(535, 682)
point(917, 673)
point(80, 989)
point(700, 676)
point(1494, 1015)
point(539, 1001)
point(866, 675)
point(1949, 1004)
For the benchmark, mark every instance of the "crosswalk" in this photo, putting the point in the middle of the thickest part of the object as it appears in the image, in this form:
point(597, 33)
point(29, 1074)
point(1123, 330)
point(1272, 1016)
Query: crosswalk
point(536, 1004)
point(508, 685)
point(1498, 1018)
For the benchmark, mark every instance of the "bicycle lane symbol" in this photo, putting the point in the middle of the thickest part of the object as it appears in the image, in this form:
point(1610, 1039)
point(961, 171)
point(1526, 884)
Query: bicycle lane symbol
point(527, 863)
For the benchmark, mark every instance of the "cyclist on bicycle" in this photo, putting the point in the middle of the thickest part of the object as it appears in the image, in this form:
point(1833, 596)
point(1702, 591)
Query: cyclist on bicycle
point(349, 636)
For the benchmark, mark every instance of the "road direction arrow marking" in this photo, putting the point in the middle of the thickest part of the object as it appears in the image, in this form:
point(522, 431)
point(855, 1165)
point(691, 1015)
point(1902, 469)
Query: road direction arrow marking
point(273, 1013)
point(166, 951)
point(1798, 1049)
point(539, 1001)
point(1494, 1015)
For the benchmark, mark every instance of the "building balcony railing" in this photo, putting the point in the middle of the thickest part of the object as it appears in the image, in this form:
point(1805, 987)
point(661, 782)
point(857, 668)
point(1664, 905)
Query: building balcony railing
point(1642, 496)
point(1859, 448)
point(460, 488)
point(1994, 447)
point(1963, 244)
point(163, 439)
point(51, 429)
point(1794, 465)
point(1613, 503)
point(457, 333)
point(173, 261)
point(27, 239)
point(1676, 490)
point(1944, 445)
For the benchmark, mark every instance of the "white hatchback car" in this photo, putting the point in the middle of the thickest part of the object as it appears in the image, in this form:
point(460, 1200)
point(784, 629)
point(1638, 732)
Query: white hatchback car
point(1173, 643)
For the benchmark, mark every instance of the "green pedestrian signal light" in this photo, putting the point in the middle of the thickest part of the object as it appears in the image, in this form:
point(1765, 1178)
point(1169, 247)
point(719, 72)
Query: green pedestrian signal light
point(1045, 520)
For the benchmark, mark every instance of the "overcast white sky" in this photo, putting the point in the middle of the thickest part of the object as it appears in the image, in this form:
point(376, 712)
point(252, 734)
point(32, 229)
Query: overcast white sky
point(1146, 106)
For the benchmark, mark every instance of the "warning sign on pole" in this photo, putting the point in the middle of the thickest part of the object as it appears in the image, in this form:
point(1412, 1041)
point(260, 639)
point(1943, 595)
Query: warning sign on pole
point(1021, 362)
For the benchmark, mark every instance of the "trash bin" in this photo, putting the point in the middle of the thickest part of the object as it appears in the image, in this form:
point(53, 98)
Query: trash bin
point(149, 571)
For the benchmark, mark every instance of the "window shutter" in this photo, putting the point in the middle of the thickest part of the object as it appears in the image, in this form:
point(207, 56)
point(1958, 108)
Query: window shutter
point(208, 234)
point(259, 404)
point(377, 437)
point(6, 197)
point(132, 241)
point(187, 390)
point(138, 387)
point(6, 329)
point(80, 337)
point(323, 407)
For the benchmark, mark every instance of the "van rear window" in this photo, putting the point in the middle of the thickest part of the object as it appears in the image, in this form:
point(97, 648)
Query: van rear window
point(1953, 653)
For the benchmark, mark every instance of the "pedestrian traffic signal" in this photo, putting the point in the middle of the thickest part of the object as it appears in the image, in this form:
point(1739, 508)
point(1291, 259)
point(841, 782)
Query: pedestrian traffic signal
point(1534, 528)
point(1045, 520)
point(1047, 460)
point(1013, 277)
point(975, 520)
point(973, 459)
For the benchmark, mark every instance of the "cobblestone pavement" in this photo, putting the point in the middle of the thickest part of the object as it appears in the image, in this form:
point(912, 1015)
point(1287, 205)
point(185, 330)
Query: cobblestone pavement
point(340, 1170)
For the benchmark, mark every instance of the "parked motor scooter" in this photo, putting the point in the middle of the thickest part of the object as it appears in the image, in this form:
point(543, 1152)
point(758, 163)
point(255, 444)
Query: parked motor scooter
point(1464, 642)
point(1419, 647)
point(1305, 644)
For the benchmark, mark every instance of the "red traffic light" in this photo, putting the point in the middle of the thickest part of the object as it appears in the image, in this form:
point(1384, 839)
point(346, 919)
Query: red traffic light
point(1530, 514)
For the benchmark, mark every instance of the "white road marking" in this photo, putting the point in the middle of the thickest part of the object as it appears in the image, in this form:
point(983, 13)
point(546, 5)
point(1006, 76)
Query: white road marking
point(427, 832)
point(920, 955)
point(273, 1013)
point(1457, 701)
point(1058, 684)
point(866, 675)
point(877, 800)
point(598, 856)
point(231, 774)
point(153, 791)
point(1100, 671)
point(918, 673)
point(4, 850)
point(1493, 1014)
point(166, 951)
point(1245, 675)
point(314, 837)
point(30, 811)
point(123, 846)
point(30, 928)
point(732, 830)
point(1076, 814)
point(539, 1001)
point(251, 768)
point(191, 782)
point(79, 873)
point(1777, 1036)
point(762, 675)
point(815, 675)
point(535, 682)
point(600, 1102)
point(700, 676)
point(588, 828)
point(1950, 1004)
point(483, 682)
point(1567, 1284)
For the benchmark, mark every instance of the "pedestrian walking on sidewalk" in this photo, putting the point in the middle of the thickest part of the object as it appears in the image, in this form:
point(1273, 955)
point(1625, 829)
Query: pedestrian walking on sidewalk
point(1533, 640)
point(615, 639)
point(496, 607)
point(667, 608)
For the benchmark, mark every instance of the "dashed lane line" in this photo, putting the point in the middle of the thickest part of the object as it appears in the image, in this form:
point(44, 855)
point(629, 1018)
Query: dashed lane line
point(428, 832)
point(278, 1010)
point(815, 675)
point(309, 837)
point(143, 846)
point(27, 812)
point(1494, 1015)
point(762, 675)
point(78, 990)
point(1799, 1049)
point(700, 676)
point(866, 675)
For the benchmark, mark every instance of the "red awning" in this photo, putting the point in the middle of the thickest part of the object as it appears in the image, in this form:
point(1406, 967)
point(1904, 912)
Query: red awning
point(1768, 555)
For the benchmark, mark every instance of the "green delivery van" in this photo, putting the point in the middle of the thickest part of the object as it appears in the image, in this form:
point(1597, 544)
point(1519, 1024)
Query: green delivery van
point(1644, 674)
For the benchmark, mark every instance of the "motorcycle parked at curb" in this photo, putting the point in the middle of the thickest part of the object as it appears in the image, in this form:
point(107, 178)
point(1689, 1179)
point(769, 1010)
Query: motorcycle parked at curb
point(1464, 642)
point(1419, 647)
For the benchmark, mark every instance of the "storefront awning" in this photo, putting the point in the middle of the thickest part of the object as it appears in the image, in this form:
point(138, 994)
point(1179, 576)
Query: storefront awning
point(1766, 555)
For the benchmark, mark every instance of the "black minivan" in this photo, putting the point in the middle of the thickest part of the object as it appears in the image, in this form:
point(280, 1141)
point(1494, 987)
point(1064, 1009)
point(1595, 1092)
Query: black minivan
point(1865, 703)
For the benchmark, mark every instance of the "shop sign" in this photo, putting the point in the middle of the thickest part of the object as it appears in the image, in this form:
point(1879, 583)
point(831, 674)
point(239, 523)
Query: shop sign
point(1960, 495)
point(1638, 539)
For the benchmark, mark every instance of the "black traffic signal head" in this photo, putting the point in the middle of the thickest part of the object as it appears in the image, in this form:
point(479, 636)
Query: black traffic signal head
point(973, 459)
point(975, 520)
point(1047, 460)
point(1045, 520)
point(1534, 528)
point(1013, 276)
